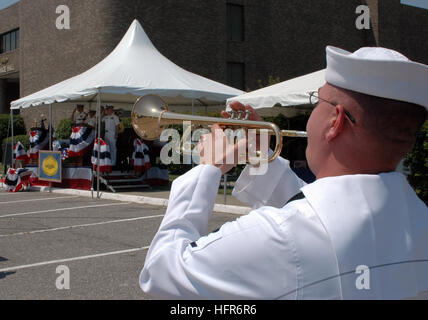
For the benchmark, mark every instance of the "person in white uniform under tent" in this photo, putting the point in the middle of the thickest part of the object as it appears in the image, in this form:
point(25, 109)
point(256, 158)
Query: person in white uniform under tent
point(112, 124)
point(79, 116)
point(358, 232)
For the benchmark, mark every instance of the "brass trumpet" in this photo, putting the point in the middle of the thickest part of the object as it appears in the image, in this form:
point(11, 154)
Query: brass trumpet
point(150, 116)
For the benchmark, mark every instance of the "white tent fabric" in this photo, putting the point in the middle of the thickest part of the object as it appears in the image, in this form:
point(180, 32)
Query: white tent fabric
point(293, 92)
point(134, 68)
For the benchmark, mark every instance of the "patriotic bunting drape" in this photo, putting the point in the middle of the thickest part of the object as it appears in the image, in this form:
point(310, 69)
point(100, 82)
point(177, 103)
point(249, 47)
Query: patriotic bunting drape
point(72, 178)
point(39, 140)
point(20, 153)
point(65, 154)
point(105, 157)
point(81, 141)
point(16, 179)
point(140, 156)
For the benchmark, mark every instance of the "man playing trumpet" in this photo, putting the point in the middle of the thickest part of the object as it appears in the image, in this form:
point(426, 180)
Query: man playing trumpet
point(358, 232)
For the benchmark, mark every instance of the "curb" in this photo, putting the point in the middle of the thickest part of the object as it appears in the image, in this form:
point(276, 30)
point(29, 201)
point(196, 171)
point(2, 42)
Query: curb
point(221, 208)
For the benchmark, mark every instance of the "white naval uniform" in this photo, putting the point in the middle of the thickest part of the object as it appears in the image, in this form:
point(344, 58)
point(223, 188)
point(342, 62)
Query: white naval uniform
point(306, 249)
point(79, 117)
point(92, 122)
point(110, 132)
point(56, 146)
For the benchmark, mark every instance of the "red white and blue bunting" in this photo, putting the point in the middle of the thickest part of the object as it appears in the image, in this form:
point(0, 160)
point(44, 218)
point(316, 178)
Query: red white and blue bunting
point(140, 156)
point(105, 157)
point(81, 141)
point(16, 179)
point(72, 178)
point(20, 153)
point(65, 154)
point(39, 140)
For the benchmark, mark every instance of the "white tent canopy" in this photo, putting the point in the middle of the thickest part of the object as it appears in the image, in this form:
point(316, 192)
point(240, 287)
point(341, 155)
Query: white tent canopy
point(134, 68)
point(293, 92)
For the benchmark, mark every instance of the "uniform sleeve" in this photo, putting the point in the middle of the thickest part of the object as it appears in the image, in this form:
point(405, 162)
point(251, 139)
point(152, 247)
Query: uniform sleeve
point(232, 263)
point(274, 188)
point(116, 121)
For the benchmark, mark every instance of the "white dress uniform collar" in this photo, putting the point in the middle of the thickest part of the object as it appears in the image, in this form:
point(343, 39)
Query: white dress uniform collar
point(384, 211)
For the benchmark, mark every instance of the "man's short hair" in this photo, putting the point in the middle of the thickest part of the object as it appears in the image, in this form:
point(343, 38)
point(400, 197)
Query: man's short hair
point(391, 122)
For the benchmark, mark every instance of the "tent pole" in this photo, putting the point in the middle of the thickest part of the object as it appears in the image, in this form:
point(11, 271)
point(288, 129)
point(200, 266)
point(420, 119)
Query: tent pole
point(193, 106)
point(50, 127)
point(99, 143)
point(12, 144)
point(50, 138)
point(225, 187)
point(193, 111)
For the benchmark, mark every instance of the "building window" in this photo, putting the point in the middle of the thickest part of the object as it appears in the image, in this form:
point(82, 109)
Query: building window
point(9, 41)
point(235, 22)
point(236, 75)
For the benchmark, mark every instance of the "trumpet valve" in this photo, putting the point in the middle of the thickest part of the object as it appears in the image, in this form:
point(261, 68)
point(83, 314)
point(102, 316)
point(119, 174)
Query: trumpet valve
point(247, 114)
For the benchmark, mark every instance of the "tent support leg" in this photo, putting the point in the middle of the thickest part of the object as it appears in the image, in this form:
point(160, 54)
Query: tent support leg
point(12, 142)
point(50, 127)
point(50, 139)
point(193, 112)
point(99, 145)
point(225, 187)
point(193, 106)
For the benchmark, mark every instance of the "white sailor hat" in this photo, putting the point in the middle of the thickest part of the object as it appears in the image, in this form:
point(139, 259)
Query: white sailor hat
point(378, 72)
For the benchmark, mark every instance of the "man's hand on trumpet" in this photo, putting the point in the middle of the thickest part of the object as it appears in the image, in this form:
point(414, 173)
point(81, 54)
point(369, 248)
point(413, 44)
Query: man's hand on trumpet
point(218, 150)
point(238, 107)
point(215, 149)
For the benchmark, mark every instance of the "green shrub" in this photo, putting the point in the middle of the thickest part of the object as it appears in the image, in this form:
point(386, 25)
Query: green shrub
point(417, 162)
point(64, 129)
point(126, 123)
point(25, 140)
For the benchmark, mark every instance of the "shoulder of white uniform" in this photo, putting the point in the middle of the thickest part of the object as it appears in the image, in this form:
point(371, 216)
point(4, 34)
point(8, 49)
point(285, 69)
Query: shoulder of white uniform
point(268, 217)
point(261, 225)
point(282, 215)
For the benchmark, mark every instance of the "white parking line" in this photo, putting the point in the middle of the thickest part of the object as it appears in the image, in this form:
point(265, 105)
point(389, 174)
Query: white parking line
point(72, 259)
point(43, 199)
point(65, 209)
point(79, 226)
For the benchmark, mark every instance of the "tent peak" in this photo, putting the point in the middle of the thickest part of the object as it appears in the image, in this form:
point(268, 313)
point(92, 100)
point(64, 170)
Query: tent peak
point(135, 36)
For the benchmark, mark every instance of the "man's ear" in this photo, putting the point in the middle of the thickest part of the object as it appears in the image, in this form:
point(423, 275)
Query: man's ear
point(336, 123)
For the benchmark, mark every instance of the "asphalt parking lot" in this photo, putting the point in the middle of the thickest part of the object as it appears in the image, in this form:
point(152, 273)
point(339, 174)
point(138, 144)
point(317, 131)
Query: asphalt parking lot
point(102, 243)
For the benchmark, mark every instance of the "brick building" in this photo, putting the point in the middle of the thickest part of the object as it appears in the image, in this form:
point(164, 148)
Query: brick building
point(236, 42)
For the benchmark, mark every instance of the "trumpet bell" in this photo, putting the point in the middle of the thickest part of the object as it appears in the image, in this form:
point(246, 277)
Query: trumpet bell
point(145, 117)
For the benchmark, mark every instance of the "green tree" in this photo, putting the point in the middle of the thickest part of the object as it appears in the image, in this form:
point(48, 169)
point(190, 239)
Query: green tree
point(417, 163)
point(64, 129)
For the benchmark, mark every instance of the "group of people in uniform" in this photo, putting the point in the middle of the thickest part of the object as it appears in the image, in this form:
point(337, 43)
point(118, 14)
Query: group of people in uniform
point(110, 122)
point(358, 232)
